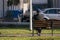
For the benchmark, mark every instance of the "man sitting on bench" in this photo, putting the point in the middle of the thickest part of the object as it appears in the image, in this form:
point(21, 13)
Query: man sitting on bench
point(39, 16)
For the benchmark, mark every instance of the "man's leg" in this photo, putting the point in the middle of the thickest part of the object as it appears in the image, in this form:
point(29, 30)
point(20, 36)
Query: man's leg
point(39, 31)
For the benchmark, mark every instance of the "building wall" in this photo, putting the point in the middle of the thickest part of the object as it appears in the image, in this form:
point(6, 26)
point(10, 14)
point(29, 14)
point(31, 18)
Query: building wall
point(41, 4)
point(56, 3)
point(39, 1)
point(52, 3)
point(17, 7)
point(1, 8)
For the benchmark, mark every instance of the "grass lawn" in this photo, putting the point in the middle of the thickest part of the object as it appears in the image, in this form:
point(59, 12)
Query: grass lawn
point(25, 30)
point(30, 38)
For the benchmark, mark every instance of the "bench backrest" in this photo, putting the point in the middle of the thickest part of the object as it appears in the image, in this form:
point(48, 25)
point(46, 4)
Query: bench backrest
point(44, 23)
point(40, 23)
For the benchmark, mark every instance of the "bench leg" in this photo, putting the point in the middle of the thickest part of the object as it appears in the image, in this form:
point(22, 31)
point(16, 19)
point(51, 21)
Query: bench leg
point(52, 26)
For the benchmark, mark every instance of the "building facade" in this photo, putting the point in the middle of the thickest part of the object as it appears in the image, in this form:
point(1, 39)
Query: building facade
point(47, 3)
point(39, 4)
point(24, 4)
point(56, 3)
point(11, 5)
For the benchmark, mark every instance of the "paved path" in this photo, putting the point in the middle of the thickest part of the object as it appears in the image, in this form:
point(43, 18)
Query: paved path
point(26, 35)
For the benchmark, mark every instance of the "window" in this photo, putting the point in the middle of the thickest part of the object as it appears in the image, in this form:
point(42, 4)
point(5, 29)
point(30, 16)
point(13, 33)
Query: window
point(52, 11)
point(12, 2)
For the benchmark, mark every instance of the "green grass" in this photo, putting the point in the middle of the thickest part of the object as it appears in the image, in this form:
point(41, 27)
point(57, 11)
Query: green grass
point(22, 30)
point(30, 38)
point(25, 31)
point(50, 31)
point(14, 31)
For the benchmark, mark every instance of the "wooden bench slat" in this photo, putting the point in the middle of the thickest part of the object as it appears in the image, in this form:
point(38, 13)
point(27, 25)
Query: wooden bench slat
point(39, 23)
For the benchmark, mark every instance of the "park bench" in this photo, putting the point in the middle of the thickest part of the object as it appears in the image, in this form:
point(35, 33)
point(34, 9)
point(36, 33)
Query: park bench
point(40, 23)
point(45, 23)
